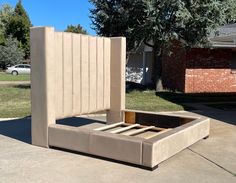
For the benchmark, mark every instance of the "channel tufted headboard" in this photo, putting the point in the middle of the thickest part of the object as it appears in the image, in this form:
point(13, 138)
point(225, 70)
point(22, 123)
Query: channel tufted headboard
point(74, 74)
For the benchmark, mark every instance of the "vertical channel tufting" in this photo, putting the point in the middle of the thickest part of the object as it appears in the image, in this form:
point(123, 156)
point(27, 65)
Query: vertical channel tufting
point(92, 73)
point(59, 75)
point(67, 74)
point(100, 83)
point(96, 74)
point(103, 78)
point(88, 74)
point(72, 76)
point(84, 74)
point(76, 74)
point(107, 45)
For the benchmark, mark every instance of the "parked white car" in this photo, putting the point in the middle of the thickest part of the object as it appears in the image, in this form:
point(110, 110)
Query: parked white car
point(19, 69)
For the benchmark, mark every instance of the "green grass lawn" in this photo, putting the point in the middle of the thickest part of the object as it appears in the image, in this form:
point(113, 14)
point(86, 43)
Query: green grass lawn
point(9, 77)
point(15, 100)
point(148, 101)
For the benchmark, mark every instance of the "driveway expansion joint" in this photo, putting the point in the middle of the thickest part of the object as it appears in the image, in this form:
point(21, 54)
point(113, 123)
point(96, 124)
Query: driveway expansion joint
point(221, 167)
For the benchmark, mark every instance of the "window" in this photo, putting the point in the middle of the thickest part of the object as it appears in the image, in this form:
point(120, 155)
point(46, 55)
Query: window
point(19, 66)
point(27, 66)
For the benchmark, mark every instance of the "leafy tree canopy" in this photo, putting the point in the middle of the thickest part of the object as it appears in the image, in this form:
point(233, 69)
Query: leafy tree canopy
point(76, 29)
point(6, 11)
point(19, 27)
point(230, 10)
point(10, 53)
point(158, 23)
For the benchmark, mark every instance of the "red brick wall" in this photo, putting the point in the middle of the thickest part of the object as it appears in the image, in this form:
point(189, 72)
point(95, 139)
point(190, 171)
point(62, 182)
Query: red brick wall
point(208, 70)
point(173, 70)
point(199, 70)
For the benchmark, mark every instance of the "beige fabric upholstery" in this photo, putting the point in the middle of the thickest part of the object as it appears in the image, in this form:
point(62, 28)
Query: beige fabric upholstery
point(74, 74)
point(118, 55)
point(42, 83)
point(136, 150)
point(160, 148)
point(67, 137)
point(73, 138)
point(84, 139)
point(115, 146)
point(82, 74)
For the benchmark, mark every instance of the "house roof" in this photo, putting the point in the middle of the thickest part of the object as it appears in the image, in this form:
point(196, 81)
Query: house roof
point(225, 37)
point(227, 30)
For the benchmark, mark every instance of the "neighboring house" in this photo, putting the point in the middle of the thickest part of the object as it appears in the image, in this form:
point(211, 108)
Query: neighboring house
point(139, 66)
point(198, 69)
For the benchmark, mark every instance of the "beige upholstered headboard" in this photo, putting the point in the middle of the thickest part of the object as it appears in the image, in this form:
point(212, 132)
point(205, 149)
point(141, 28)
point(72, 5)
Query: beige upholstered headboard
point(74, 74)
point(82, 65)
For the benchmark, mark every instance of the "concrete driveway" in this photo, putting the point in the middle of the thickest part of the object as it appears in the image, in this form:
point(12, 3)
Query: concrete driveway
point(212, 160)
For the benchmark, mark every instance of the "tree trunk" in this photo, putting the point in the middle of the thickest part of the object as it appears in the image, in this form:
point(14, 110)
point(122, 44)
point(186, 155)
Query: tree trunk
point(4, 67)
point(157, 69)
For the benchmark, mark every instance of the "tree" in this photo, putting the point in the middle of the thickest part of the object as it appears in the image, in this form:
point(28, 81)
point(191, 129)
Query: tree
point(10, 53)
point(19, 27)
point(120, 18)
point(230, 10)
point(159, 23)
point(6, 11)
point(76, 29)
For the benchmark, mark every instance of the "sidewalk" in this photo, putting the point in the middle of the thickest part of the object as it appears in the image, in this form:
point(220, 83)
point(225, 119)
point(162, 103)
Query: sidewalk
point(12, 83)
point(212, 160)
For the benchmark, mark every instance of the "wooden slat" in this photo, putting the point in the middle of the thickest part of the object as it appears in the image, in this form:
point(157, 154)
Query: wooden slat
point(125, 128)
point(109, 126)
point(93, 74)
point(84, 74)
point(139, 130)
point(76, 74)
point(67, 69)
point(59, 74)
point(158, 133)
point(154, 128)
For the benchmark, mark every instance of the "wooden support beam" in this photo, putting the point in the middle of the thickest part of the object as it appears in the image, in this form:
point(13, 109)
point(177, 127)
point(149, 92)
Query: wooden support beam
point(130, 117)
point(125, 128)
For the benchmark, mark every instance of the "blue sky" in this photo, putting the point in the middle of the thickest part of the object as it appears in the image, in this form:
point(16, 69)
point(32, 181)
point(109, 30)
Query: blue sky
point(57, 13)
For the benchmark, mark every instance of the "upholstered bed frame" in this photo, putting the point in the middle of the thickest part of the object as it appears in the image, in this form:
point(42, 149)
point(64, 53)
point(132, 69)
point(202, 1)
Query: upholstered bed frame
point(73, 75)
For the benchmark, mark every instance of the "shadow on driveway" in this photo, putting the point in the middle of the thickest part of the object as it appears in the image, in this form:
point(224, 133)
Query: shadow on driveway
point(220, 115)
point(20, 129)
point(206, 104)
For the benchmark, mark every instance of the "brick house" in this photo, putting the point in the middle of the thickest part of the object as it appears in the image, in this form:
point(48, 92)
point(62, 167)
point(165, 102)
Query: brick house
point(196, 70)
point(200, 70)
